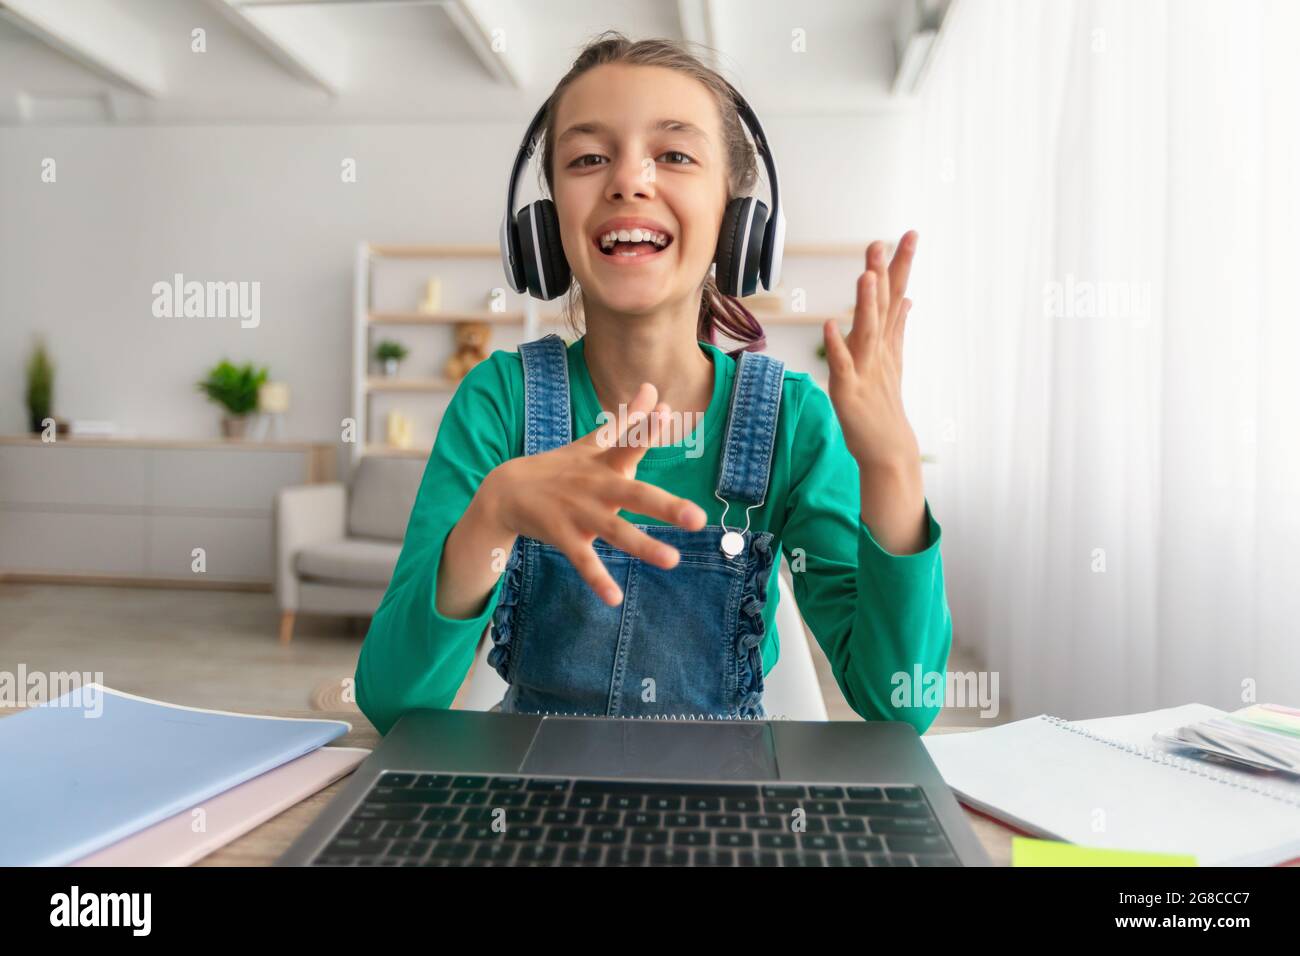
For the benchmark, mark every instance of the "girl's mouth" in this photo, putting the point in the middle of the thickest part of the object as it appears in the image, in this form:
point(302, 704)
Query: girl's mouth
point(632, 245)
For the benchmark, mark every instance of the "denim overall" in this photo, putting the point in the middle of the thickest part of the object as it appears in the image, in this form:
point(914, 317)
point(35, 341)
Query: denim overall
point(684, 642)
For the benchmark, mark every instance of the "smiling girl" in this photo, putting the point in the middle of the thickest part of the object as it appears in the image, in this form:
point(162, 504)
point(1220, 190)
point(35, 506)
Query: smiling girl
point(632, 578)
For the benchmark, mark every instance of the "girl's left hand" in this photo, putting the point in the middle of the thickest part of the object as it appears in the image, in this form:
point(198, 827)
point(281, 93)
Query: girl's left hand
point(866, 369)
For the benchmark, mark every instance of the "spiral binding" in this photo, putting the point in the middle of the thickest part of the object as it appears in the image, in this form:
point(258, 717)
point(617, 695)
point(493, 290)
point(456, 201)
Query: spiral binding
point(668, 717)
point(1196, 767)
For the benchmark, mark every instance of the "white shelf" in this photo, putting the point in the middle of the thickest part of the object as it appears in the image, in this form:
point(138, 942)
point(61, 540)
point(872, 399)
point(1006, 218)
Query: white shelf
point(378, 383)
point(444, 318)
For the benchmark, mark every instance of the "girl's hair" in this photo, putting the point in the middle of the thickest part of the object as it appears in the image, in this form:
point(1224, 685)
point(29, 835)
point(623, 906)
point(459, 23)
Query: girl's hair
point(717, 311)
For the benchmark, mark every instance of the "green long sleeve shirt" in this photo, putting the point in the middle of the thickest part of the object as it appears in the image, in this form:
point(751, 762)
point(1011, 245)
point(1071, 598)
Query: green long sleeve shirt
point(875, 614)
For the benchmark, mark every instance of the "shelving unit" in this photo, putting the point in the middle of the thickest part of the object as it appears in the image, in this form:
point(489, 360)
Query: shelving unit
point(367, 318)
point(523, 313)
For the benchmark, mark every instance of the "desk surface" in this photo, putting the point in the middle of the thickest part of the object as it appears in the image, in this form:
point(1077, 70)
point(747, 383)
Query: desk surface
point(263, 845)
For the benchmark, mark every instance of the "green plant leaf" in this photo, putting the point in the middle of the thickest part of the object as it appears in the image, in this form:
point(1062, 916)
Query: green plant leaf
point(234, 387)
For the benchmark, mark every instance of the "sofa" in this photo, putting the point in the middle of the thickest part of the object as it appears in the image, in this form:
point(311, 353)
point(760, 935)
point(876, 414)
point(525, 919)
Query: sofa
point(336, 545)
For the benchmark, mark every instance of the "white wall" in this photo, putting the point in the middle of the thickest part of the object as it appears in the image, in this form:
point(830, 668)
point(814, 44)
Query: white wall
point(134, 205)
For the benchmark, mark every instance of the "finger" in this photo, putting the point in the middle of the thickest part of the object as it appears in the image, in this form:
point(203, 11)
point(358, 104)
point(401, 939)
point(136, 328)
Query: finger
point(633, 444)
point(876, 263)
point(838, 356)
point(636, 434)
point(860, 332)
point(643, 498)
point(904, 308)
point(610, 430)
point(661, 425)
point(621, 533)
point(871, 297)
point(902, 325)
point(901, 268)
point(592, 570)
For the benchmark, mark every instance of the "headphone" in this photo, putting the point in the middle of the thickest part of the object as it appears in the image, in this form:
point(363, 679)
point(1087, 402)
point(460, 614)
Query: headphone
point(750, 243)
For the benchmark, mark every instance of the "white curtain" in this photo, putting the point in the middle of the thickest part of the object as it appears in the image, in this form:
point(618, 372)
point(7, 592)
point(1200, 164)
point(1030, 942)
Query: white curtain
point(1103, 352)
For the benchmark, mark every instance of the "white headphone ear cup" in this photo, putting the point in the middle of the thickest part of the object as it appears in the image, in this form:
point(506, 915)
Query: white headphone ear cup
point(740, 246)
point(554, 261)
point(546, 270)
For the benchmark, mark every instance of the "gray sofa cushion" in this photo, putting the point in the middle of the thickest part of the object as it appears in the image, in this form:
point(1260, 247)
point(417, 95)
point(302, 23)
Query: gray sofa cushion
point(381, 495)
point(356, 561)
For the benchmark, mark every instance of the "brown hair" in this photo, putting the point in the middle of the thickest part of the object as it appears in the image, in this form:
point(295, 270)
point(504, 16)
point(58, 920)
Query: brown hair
point(717, 311)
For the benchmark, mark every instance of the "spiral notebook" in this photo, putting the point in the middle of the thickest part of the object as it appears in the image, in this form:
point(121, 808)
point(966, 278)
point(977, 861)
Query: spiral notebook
point(1106, 784)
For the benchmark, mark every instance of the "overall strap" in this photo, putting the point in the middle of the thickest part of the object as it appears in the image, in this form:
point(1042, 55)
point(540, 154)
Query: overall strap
point(751, 429)
point(548, 418)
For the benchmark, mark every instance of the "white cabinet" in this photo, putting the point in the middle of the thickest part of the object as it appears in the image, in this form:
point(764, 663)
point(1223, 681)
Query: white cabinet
point(138, 510)
point(71, 542)
point(234, 548)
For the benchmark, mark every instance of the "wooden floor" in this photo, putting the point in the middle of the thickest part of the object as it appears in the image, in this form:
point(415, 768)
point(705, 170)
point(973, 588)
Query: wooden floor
point(219, 649)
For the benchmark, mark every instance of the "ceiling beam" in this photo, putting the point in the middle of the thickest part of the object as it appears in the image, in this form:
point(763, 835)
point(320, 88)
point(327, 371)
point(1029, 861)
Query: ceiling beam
point(97, 36)
point(304, 56)
point(473, 20)
point(916, 36)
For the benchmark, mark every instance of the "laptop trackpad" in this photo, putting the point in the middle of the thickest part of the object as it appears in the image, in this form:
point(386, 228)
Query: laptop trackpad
point(679, 750)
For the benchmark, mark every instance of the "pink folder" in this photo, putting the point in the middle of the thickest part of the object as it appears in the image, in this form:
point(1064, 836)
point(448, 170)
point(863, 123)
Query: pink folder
point(191, 835)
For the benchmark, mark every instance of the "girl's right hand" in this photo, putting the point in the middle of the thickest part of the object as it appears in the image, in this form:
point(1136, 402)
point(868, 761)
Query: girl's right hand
point(569, 496)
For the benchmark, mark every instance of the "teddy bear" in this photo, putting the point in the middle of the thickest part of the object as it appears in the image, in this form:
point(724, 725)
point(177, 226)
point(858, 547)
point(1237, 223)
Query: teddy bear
point(471, 348)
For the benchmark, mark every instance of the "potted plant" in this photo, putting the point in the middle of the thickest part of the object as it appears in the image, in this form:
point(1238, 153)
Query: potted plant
point(40, 386)
point(235, 389)
point(390, 353)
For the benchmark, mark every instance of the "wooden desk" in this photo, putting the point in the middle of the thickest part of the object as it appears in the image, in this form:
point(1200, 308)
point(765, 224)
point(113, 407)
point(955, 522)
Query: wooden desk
point(263, 845)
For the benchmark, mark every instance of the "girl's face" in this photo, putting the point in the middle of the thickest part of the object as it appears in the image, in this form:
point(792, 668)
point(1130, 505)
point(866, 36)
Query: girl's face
point(639, 143)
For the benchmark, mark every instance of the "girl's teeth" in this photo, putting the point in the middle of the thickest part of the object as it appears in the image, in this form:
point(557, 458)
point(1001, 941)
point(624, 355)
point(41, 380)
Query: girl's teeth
point(608, 240)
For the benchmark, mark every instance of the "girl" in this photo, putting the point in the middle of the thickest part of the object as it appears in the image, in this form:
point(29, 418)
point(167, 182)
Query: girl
point(520, 519)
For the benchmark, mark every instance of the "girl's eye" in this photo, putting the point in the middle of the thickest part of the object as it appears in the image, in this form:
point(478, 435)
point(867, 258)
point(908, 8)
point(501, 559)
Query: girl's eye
point(580, 162)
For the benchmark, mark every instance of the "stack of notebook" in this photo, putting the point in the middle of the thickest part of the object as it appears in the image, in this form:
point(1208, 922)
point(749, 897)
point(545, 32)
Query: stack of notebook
point(1264, 736)
point(99, 777)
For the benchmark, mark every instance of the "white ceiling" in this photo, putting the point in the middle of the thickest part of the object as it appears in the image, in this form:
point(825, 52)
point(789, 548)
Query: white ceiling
point(312, 61)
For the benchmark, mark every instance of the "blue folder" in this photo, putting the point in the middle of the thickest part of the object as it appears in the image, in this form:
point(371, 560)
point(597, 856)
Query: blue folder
point(97, 765)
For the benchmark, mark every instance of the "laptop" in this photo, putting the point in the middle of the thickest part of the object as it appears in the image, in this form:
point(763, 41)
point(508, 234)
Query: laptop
point(466, 788)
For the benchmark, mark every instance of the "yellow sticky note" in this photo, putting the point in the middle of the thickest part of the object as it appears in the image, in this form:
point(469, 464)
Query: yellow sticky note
point(1026, 852)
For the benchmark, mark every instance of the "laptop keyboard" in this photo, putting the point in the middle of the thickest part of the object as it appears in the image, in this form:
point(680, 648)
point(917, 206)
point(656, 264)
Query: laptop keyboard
point(417, 819)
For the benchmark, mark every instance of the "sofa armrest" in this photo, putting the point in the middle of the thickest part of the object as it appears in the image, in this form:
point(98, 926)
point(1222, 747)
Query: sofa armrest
point(304, 515)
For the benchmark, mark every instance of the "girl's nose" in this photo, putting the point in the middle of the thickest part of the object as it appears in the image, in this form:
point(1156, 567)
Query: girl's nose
point(632, 176)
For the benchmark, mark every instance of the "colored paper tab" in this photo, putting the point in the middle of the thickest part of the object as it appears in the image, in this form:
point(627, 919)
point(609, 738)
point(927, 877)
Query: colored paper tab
point(1027, 852)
